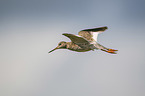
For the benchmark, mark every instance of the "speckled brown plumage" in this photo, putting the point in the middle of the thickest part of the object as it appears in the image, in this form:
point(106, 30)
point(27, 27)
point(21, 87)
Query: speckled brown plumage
point(74, 47)
point(85, 41)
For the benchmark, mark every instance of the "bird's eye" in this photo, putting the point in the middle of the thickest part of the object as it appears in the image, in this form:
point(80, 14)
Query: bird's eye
point(59, 44)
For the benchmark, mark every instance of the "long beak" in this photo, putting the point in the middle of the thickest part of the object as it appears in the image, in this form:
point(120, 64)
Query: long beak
point(53, 50)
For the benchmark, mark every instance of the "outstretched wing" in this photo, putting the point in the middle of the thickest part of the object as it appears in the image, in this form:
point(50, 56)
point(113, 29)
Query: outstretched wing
point(80, 41)
point(92, 34)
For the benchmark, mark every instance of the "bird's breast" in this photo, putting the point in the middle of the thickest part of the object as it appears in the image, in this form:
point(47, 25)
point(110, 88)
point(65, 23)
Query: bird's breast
point(74, 47)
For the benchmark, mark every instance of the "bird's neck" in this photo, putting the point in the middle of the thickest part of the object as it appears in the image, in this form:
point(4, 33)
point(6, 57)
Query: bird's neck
point(72, 46)
point(69, 44)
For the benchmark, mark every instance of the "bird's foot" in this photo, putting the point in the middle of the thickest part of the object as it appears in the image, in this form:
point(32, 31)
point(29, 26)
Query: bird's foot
point(112, 50)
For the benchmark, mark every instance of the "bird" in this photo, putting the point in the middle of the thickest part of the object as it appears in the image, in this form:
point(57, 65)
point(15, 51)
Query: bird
point(86, 40)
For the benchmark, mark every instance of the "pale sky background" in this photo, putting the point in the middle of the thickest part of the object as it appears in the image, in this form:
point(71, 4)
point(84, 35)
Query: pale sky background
point(31, 28)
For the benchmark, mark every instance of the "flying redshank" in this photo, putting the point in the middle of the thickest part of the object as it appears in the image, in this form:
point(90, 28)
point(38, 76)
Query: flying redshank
point(86, 40)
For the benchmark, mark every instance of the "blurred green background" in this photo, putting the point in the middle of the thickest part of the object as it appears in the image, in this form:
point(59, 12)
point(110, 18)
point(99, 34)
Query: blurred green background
point(31, 28)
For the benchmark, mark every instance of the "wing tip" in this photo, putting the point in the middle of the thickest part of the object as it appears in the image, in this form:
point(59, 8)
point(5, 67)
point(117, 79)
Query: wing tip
point(105, 27)
point(65, 34)
point(97, 29)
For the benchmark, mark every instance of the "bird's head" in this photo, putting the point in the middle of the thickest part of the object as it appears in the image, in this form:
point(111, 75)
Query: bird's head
point(61, 45)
